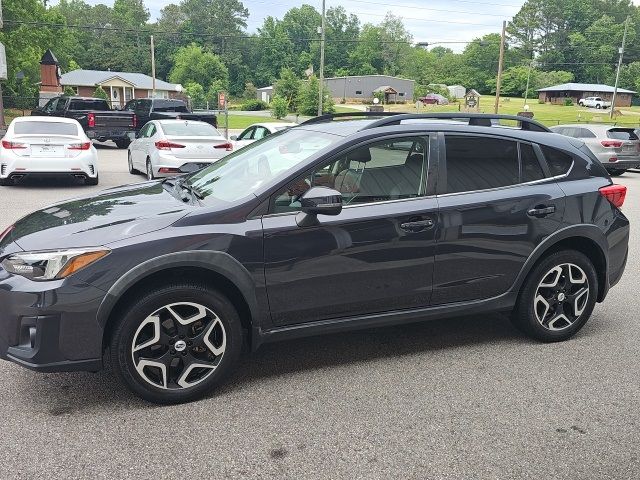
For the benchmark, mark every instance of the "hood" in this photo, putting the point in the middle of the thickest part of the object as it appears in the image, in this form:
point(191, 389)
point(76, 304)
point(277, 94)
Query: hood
point(112, 215)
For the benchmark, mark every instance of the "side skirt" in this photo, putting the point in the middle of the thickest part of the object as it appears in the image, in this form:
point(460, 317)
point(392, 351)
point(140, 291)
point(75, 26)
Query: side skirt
point(504, 302)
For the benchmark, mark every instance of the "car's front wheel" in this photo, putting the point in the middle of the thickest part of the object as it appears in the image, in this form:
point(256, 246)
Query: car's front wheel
point(558, 297)
point(130, 162)
point(150, 174)
point(176, 343)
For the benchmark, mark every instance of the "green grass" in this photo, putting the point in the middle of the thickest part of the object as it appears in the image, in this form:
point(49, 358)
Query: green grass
point(547, 114)
point(243, 121)
point(344, 109)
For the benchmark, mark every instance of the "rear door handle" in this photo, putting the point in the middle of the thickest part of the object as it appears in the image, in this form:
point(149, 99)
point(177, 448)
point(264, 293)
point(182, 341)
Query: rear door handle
point(418, 226)
point(541, 211)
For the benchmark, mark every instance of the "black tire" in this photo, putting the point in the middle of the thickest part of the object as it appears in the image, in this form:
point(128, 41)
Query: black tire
point(598, 106)
point(149, 173)
point(581, 104)
point(91, 181)
point(526, 318)
point(128, 329)
point(616, 172)
point(132, 170)
point(122, 143)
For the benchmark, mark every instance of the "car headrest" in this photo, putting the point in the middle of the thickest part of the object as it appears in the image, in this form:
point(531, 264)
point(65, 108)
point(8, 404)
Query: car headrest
point(362, 155)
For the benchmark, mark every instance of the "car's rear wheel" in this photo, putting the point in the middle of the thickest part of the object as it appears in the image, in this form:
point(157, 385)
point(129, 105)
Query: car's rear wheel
point(150, 175)
point(123, 143)
point(176, 343)
point(558, 297)
point(581, 104)
point(616, 172)
point(130, 162)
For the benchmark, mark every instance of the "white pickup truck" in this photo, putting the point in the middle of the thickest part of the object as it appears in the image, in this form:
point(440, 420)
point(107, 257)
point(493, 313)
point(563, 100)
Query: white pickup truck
point(594, 102)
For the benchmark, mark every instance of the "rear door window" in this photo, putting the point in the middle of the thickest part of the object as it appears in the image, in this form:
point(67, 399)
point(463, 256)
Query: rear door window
point(480, 163)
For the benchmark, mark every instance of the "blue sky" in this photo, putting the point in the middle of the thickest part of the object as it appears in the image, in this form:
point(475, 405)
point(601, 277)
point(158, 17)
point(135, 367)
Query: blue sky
point(427, 20)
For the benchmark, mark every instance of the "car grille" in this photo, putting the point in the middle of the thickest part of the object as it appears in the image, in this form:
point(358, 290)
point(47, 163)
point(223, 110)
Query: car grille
point(3, 169)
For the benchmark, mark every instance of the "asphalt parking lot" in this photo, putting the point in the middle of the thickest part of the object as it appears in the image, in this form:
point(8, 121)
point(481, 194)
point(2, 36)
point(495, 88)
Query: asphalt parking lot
point(467, 398)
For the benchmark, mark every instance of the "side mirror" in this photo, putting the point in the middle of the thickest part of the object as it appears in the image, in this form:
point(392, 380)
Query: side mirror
point(233, 137)
point(321, 201)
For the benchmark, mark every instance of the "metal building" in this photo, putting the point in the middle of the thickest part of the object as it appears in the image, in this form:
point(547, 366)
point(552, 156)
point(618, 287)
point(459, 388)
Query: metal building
point(362, 87)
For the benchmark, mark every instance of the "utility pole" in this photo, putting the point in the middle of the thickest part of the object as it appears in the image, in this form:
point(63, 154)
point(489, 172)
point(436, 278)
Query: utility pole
point(532, 64)
point(615, 88)
point(500, 65)
point(153, 69)
point(322, 39)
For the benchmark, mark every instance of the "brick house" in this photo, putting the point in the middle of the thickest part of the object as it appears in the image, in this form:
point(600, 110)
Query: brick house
point(575, 91)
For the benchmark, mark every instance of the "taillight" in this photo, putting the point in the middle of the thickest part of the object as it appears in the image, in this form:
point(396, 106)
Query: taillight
point(615, 194)
point(91, 120)
point(227, 146)
point(611, 143)
point(135, 121)
point(79, 146)
point(168, 170)
point(12, 145)
point(167, 145)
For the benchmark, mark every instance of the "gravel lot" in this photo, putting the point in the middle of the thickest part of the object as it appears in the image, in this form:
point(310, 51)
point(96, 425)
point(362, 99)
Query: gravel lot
point(467, 398)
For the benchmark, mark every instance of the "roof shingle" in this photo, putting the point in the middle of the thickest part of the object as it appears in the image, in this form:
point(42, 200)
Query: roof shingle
point(91, 78)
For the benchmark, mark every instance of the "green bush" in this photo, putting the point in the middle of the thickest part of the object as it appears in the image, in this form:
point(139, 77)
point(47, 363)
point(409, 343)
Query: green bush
point(69, 92)
point(100, 93)
point(254, 105)
point(568, 102)
point(279, 107)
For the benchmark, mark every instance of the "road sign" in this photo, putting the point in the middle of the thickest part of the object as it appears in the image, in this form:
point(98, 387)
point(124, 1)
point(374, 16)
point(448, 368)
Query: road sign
point(222, 101)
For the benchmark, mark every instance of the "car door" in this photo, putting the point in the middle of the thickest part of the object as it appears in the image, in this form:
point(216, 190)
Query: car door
point(375, 256)
point(497, 201)
point(139, 157)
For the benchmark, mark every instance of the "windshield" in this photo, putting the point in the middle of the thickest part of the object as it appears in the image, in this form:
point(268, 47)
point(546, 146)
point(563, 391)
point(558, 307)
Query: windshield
point(245, 171)
point(189, 129)
point(45, 128)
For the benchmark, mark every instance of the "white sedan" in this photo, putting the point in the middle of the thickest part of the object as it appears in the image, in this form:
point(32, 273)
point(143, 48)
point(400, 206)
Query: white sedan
point(258, 131)
point(165, 148)
point(47, 146)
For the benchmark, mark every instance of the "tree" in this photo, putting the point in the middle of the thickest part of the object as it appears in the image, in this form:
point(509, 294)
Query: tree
point(307, 101)
point(100, 93)
point(288, 87)
point(279, 107)
point(193, 64)
point(196, 95)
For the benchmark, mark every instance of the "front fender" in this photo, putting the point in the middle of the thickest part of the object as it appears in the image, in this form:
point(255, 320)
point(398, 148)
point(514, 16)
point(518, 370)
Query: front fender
point(218, 262)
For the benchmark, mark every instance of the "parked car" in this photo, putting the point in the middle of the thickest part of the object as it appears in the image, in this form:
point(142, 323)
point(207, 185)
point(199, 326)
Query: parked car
point(617, 148)
point(147, 109)
point(45, 146)
point(258, 131)
point(434, 99)
point(326, 227)
point(165, 148)
point(594, 102)
point(98, 121)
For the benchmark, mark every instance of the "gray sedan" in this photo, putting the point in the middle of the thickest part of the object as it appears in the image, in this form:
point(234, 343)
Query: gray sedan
point(617, 148)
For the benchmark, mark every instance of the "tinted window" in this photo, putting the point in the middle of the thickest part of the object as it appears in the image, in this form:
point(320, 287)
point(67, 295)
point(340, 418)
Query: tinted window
point(45, 128)
point(622, 134)
point(585, 133)
point(169, 106)
point(476, 163)
point(100, 105)
point(381, 171)
point(189, 129)
point(531, 169)
point(247, 134)
point(559, 162)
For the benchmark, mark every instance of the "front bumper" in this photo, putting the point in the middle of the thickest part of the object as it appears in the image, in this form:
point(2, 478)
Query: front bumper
point(50, 326)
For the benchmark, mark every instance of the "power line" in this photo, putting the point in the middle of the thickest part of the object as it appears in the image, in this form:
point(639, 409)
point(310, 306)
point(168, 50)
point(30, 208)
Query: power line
point(413, 7)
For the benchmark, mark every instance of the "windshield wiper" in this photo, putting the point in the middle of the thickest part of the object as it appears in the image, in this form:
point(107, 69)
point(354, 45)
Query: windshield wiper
point(191, 189)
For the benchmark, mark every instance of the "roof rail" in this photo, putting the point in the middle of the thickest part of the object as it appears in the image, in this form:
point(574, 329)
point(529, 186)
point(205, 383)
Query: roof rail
point(337, 116)
point(475, 119)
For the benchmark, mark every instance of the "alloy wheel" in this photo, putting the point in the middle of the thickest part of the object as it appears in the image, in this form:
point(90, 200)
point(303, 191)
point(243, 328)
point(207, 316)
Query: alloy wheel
point(561, 297)
point(178, 346)
point(149, 170)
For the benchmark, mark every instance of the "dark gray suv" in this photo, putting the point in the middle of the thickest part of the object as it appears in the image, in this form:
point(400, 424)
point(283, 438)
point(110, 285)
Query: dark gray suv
point(332, 225)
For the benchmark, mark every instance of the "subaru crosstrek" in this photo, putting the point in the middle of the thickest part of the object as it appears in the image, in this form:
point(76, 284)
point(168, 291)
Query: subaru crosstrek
point(328, 226)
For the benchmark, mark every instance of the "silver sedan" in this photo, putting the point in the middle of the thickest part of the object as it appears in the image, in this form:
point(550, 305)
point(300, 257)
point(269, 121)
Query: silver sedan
point(164, 148)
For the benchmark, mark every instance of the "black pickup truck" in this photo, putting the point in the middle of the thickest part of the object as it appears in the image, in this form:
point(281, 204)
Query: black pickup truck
point(96, 117)
point(162, 109)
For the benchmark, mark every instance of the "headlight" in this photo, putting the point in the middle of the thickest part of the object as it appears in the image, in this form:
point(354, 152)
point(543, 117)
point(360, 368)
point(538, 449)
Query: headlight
point(53, 264)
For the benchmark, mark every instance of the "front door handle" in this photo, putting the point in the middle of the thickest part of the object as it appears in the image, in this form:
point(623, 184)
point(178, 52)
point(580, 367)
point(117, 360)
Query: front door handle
point(418, 226)
point(542, 211)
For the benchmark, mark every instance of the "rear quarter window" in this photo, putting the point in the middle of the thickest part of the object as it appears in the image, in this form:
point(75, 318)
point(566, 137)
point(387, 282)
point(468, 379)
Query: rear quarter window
point(622, 134)
point(559, 162)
